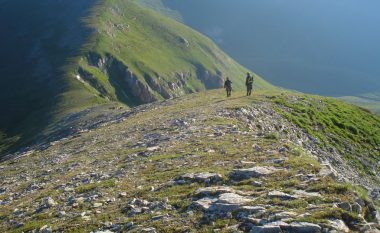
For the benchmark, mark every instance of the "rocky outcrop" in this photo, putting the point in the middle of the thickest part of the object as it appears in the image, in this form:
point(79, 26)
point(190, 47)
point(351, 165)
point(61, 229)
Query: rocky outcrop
point(177, 170)
point(129, 88)
point(211, 81)
point(91, 80)
point(132, 90)
point(156, 86)
point(254, 172)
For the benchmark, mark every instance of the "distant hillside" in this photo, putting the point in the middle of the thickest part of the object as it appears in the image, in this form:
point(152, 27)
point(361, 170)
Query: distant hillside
point(61, 57)
point(308, 46)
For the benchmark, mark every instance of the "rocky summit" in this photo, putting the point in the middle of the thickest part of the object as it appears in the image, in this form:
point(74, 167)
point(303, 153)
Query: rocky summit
point(200, 163)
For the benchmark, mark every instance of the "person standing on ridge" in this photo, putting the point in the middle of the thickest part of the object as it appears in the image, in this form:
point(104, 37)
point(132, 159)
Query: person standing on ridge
point(249, 84)
point(228, 86)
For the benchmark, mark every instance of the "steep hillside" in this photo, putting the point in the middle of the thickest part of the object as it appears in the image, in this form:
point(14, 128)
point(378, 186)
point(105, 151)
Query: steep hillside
point(37, 39)
point(63, 56)
point(138, 56)
point(273, 162)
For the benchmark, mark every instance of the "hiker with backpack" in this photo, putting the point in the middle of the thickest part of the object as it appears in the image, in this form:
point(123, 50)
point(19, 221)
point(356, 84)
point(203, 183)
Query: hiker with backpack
point(249, 84)
point(228, 86)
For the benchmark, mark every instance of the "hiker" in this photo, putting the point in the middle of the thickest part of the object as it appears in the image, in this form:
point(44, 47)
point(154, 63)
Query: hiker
point(228, 86)
point(249, 84)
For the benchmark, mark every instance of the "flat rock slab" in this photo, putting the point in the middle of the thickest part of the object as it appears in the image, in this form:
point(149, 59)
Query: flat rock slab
point(302, 193)
point(265, 229)
point(233, 198)
point(204, 203)
point(217, 190)
point(225, 202)
point(204, 177)
point(304, 227)
point(254, 172)
point(281, 195)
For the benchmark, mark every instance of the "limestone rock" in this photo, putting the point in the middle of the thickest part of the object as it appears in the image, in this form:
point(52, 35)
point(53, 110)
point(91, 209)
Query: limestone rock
point(265, 229)
point(97, 205)
point(213, 191)
point(49, 202)
point(226, 202)
point(46, 229)
point(328, 171)
point(302, 193)
point(339, 225)
point(254, 172)
point(345, 206)
point(281, 195)
point(304, 227)
point(205, 177)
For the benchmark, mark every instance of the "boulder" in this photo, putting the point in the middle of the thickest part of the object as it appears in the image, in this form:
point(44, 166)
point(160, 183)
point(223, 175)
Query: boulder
point(356, 208)
point(345, 206)
point(97, 205)
point(49, 202)
point(46, 229)
point(339, 225)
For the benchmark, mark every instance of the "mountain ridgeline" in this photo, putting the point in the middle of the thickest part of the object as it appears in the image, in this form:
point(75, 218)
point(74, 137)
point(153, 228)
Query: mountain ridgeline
point(61, 57)
point(110, 126)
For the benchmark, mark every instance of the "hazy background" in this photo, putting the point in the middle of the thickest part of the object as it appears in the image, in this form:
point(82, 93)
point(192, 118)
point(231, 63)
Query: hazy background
point(327, 47)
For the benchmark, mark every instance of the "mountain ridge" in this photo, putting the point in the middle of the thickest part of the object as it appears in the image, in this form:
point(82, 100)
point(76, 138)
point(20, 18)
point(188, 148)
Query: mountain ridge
point(123, 53)
point(202, 162)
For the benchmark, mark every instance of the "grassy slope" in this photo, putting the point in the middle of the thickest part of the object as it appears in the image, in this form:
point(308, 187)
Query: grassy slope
point(151, 44)
point(113, 148)
point(353, 131)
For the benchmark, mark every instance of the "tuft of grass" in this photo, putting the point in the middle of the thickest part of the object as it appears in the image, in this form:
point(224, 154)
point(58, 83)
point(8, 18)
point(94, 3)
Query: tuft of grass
point(333, 213)
point(90, 187)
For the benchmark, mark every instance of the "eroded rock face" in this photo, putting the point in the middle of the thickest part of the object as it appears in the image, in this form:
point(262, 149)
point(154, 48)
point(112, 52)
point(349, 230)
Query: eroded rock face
point(211, 81)
point(128, 87)
point(135, 91)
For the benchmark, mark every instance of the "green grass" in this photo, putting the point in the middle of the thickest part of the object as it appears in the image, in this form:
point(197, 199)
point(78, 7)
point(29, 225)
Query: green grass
point(93, 186)
point(134, 37)
point(152, 44)
point(116, 142)
point(353, 131)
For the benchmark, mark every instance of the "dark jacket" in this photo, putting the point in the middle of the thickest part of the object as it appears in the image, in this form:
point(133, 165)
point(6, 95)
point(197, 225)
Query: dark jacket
point(249, 81)
point(228, 84)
